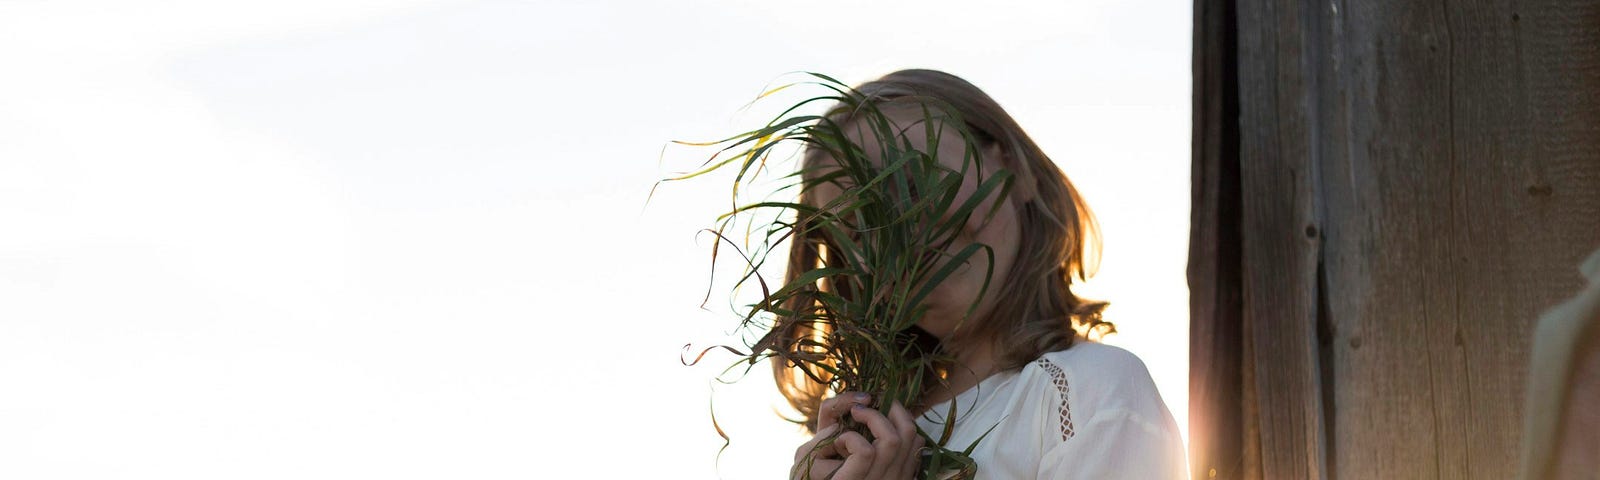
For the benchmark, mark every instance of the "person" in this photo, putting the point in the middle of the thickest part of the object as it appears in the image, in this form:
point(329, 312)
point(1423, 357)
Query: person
point(1054, 404)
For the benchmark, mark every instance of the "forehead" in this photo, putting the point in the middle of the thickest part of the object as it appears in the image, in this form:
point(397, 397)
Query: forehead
point(900, 126)
point(909, 125)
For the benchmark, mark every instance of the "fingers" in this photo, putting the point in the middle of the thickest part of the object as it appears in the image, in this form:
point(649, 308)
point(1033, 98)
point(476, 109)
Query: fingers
point(907, 426)
point(893, 443)
point(818, 446)
point(819, 458)
point(858, 460)
point(887, 440)
point(888, 437)
point(895, 451)
point(859, 456)
point(903, 422)
point(831, 409)
point(815, 470)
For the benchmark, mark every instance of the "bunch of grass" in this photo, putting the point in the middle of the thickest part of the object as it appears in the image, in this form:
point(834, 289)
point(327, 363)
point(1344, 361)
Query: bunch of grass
point(883, 245)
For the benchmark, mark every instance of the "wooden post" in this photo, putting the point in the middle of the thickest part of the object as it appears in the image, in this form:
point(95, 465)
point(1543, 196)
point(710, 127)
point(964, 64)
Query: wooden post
point(1411, 185)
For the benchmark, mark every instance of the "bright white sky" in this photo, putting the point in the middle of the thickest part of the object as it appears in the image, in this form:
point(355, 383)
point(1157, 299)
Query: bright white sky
point(408, 239)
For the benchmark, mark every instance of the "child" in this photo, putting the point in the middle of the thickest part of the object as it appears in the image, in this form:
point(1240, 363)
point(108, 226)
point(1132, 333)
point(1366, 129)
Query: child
point(1059, 405)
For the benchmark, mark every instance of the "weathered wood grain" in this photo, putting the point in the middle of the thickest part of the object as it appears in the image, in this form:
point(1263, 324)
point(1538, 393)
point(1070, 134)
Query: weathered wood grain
point(1279, 280)
point(1415, 180)
point(1215, 343)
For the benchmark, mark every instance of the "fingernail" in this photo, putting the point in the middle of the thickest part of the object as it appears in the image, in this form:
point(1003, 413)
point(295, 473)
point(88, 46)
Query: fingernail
point(862, 397)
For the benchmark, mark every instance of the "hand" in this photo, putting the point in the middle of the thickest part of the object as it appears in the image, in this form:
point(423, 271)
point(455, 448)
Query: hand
point(895, 454)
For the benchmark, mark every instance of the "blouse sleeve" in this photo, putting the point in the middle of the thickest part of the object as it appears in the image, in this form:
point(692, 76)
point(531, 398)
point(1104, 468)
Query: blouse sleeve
point(1118, 444)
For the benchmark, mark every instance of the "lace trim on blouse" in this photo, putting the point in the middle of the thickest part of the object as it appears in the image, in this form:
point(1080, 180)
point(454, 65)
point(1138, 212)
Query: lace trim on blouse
point(1059, 378)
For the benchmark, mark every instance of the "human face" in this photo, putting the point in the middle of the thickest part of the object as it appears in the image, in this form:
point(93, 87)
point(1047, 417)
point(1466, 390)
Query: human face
point(950, 299)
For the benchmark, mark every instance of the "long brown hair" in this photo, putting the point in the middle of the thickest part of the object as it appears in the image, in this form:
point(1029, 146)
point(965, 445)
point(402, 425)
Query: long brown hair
point(1060, 241)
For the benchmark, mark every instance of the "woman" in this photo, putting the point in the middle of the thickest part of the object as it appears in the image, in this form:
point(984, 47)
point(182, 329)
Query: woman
point(1053, 403)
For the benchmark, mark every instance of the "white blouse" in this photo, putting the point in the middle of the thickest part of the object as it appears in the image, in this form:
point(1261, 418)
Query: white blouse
point(1088, 412)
